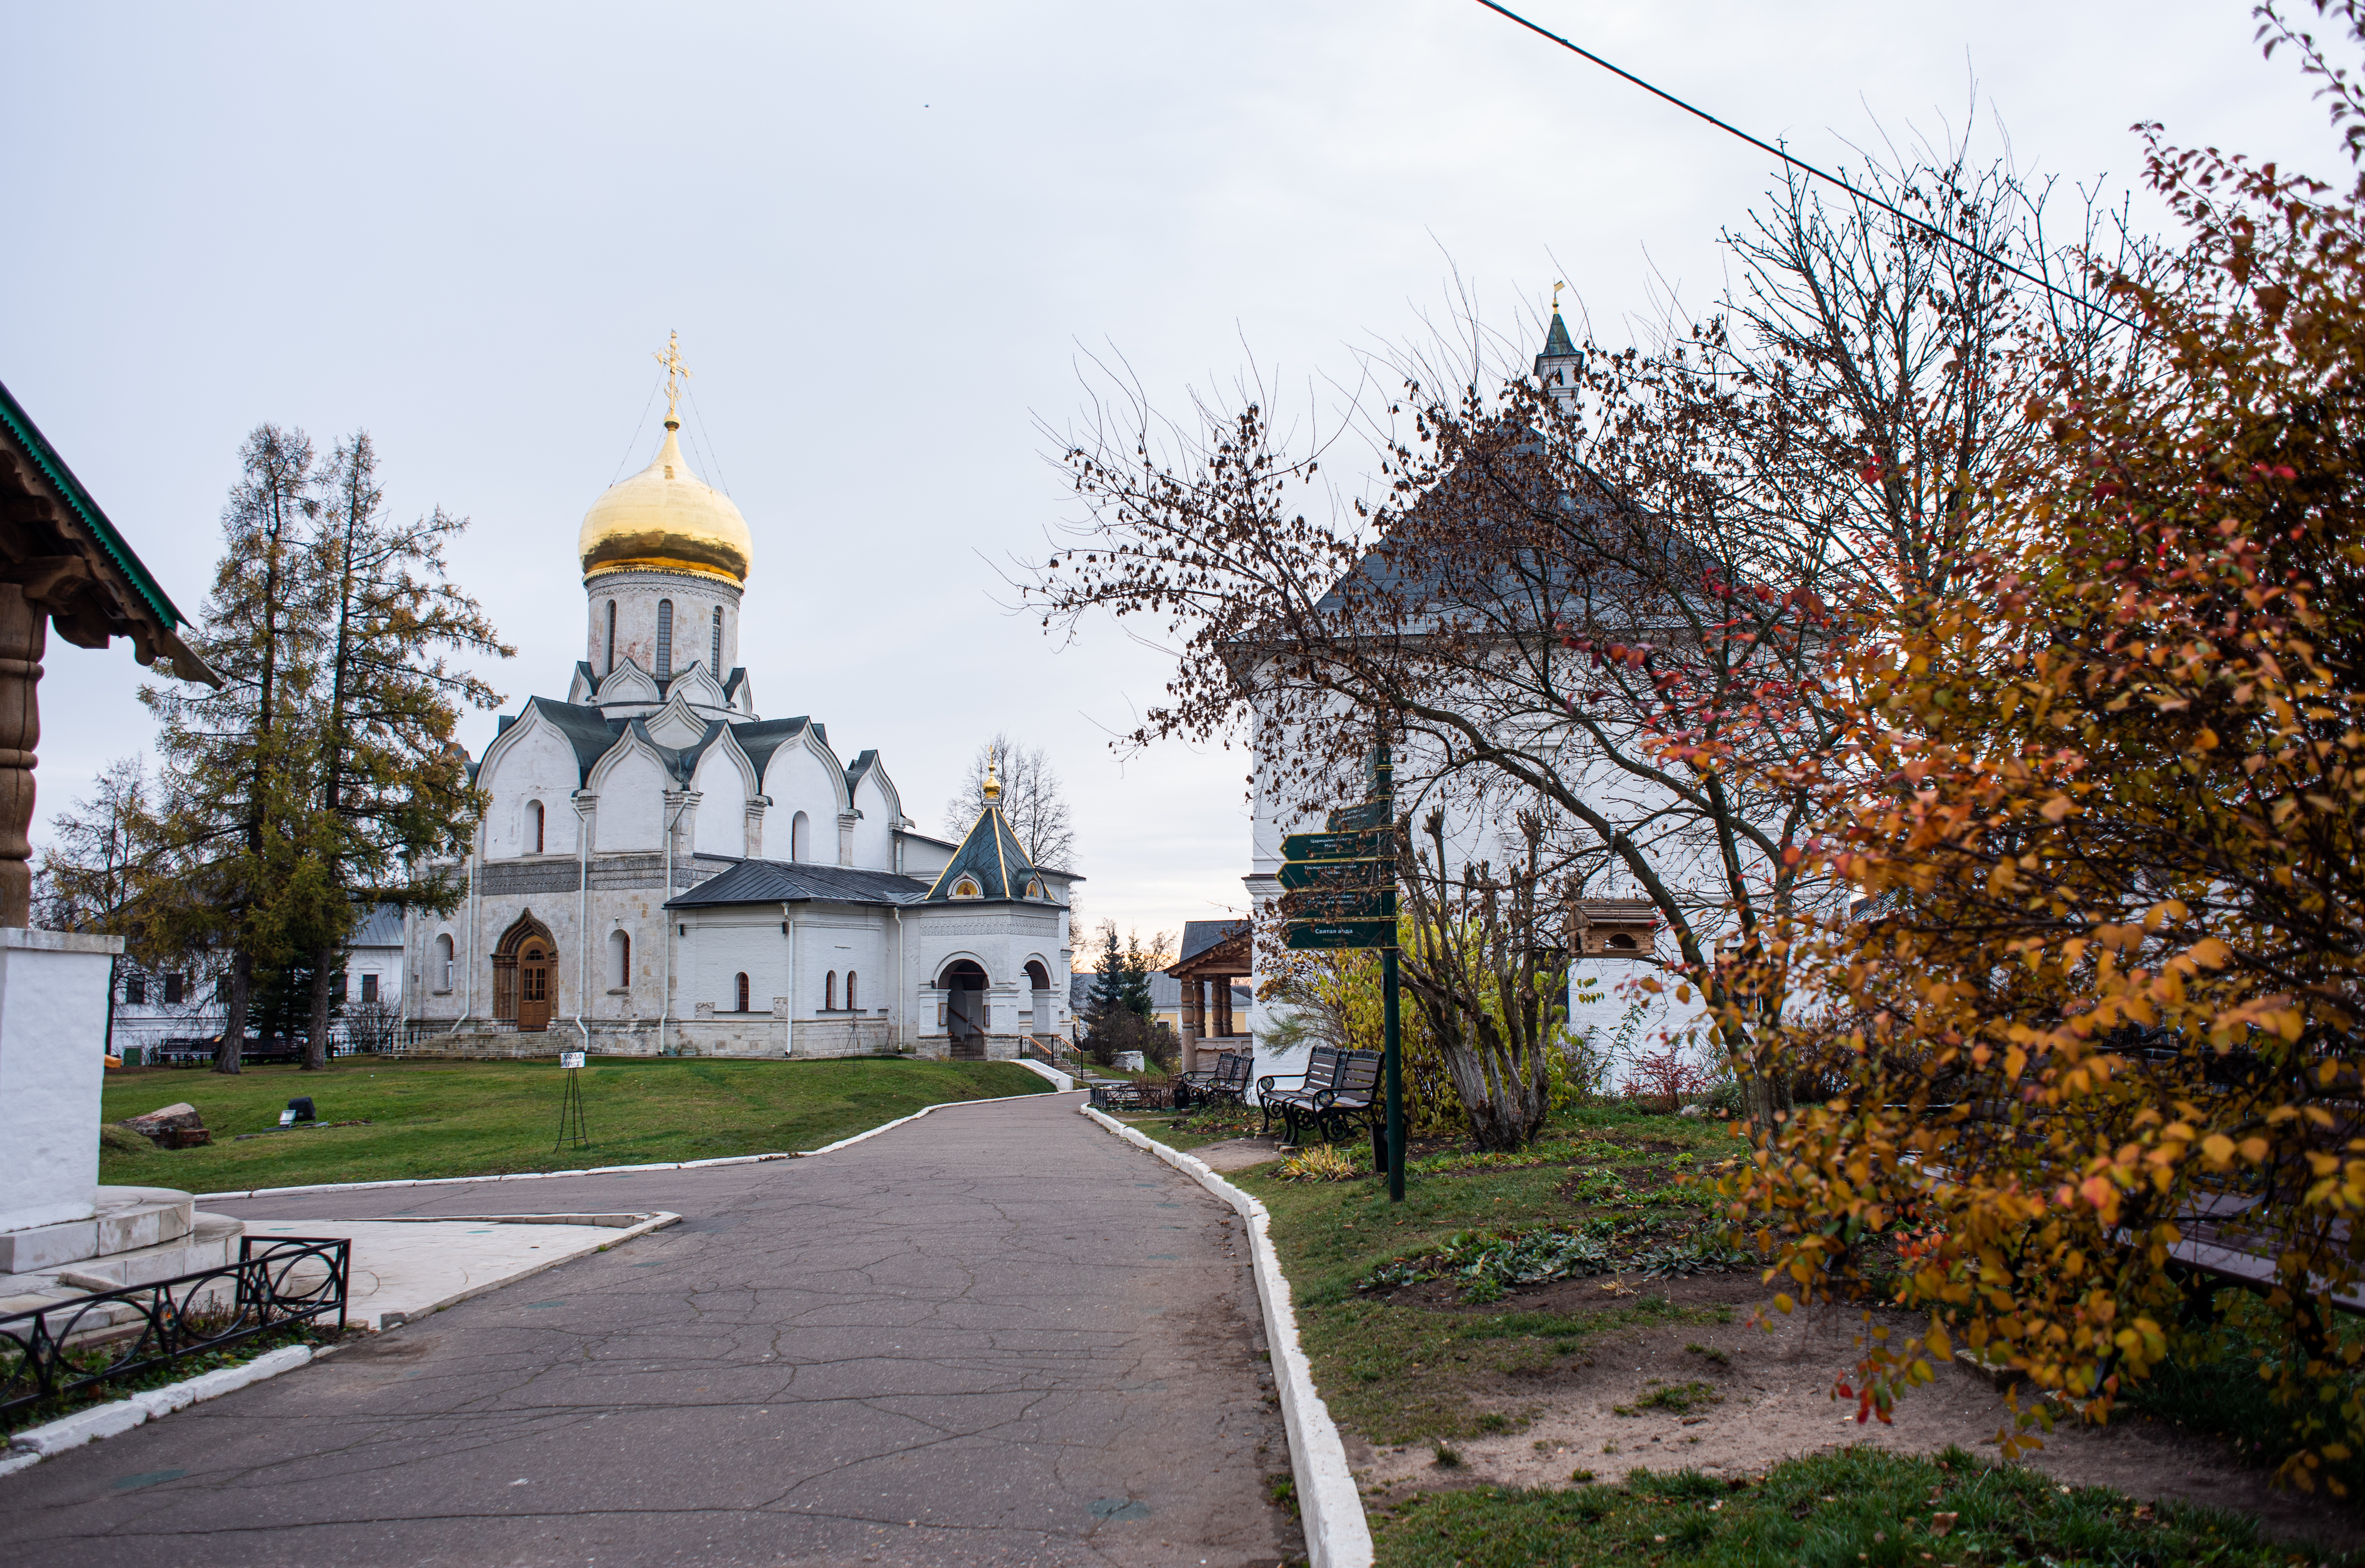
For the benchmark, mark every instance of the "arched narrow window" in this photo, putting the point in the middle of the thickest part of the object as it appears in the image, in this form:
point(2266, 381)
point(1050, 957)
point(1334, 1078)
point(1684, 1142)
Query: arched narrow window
point(800, 835)
point(665, 639)
point(620, 961)
point(534, 826)
point(444, 961)
point(611, 639)
point(829, 993)
point(851, 1005)
point(742, 993)
point(716, 664)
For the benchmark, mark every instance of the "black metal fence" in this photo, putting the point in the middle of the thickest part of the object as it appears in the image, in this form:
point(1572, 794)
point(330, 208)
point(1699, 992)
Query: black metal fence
point(49, 1353)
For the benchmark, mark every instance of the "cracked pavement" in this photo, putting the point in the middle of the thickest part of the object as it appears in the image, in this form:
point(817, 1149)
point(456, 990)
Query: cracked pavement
point(996, 1334)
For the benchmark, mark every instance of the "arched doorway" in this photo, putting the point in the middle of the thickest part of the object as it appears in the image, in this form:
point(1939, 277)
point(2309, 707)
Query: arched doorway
point(523, 963)
point(1039, 981)
point(965, 1018)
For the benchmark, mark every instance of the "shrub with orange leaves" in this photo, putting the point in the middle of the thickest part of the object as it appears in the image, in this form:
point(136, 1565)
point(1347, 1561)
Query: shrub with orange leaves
point(2103, 1001)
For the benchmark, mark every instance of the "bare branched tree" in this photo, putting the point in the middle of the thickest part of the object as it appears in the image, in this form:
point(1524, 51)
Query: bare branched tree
point(1612, 589)
point(1032, 800)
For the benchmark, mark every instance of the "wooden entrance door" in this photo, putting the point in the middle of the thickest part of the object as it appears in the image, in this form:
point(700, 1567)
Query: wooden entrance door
point(533, 985)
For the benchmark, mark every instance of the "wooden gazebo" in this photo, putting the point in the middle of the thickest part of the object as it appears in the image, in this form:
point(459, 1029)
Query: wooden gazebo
point(1215, 953)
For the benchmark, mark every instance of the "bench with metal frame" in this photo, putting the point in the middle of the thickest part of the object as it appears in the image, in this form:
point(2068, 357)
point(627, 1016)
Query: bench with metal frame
point(1321, 1063)
point(1227, 1080)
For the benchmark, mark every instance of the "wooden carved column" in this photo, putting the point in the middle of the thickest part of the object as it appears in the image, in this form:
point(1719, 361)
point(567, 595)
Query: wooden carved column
point(1191, 1029)
point(24, 630)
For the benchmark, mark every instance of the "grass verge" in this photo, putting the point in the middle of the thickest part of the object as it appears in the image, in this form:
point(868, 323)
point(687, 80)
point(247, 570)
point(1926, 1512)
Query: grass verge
point(482, 1119)
point(46, 1410)
point(1855, 1508)
point(1443, 1361)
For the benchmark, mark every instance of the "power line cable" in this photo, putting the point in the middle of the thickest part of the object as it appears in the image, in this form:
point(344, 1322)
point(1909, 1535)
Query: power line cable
point(1891, 207)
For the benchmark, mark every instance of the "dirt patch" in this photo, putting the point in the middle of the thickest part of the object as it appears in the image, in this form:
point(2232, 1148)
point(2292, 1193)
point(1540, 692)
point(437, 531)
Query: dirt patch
point(1732, 1399)
point(1237, 1153)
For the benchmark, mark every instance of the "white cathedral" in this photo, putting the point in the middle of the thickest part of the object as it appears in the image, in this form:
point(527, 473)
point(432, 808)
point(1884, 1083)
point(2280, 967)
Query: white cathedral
point(661, 870)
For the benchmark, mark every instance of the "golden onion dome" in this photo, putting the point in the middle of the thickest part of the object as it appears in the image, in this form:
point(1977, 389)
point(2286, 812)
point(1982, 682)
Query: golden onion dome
point(665, 519)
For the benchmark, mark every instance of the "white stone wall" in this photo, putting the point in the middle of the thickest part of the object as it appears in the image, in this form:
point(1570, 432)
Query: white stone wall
point(636, 594)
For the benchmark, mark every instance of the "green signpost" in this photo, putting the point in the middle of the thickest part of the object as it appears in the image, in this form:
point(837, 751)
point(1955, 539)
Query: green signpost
point(1342, 894)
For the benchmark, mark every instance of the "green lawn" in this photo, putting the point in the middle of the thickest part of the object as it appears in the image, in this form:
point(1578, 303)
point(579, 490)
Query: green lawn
point(1858, 1509)
point(481, 1118)
point(1406, 1372)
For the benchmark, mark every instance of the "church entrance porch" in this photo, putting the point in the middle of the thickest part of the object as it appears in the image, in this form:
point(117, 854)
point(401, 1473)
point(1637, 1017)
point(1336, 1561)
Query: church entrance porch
point(966, 1014)
point(523, 962)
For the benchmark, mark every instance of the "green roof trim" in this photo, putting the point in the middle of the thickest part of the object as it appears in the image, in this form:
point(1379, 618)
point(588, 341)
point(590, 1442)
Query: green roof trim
point(45, 457)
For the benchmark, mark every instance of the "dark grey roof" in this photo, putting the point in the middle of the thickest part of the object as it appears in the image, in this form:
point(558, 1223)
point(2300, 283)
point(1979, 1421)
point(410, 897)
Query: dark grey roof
point(854, 775)
point(1556, 344)
point(591, 733)
point(380, 926)
point(1198, 935)
point(992, 858)
point(798, 881)
point(759, 738)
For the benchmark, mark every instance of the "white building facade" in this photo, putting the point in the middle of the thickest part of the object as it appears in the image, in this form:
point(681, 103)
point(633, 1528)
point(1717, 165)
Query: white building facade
point(662, 870)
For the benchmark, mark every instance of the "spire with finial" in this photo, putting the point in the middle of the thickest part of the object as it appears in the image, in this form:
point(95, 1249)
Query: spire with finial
point(1558, 368)
point(993, 784)
point(675, 374)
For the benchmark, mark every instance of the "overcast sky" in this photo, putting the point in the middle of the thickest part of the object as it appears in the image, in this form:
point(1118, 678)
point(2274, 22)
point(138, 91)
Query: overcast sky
point(886, 233)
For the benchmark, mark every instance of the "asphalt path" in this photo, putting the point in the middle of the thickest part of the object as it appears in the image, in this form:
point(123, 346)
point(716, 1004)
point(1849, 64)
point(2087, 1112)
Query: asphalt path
point(996, 1334)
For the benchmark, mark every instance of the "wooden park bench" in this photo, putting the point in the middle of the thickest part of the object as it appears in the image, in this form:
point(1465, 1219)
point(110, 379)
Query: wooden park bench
point(1226, 1081)
point(1320, 1063)
point(1332, 1106)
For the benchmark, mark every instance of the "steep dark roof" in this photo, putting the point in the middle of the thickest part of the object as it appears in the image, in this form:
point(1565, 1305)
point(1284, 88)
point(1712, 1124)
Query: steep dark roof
point(760, 738)
point(854, 775)
point(591, 733)
point(990, 855)
point(797, 881)
point(1556, 342)
point(1198, 935)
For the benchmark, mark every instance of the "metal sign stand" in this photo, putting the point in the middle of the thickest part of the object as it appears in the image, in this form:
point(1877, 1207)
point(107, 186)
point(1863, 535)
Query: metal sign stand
point(570, 1109)
point(1342, 893)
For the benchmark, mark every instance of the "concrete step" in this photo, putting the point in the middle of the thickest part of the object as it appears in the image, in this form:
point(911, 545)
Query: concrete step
point(128, 1219)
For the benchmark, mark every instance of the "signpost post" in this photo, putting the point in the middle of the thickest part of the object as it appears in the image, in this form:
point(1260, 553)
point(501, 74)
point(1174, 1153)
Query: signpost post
point(570, 1109)
point(1342, 894)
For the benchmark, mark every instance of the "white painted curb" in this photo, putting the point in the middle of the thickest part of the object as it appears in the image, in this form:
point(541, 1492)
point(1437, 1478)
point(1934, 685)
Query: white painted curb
point(1329, 1504)
point(600, 1170)
point(1060, 1083)
point(106, 1420)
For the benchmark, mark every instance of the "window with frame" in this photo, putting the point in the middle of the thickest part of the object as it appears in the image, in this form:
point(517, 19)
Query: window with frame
point(851, 1005)
point(444, 957)
point(716, 663)
point(620, 961)
point(369, 988)
point(829, 993)
point(135, 991)
point(611, 639)
point(743, 992)
point(534, 826)
point(665, 639)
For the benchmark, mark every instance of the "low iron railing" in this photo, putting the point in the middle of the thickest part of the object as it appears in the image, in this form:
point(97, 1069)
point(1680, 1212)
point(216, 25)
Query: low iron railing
point(48, 1352)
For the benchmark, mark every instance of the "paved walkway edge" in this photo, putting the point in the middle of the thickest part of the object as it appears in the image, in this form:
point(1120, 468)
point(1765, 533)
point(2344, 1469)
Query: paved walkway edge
point(30, 1447)
point(34, 1444)
point(596, 1169)
point(1329, 1504)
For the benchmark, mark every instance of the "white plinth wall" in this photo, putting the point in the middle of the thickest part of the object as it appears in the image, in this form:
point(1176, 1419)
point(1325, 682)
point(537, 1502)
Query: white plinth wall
point(54, 987)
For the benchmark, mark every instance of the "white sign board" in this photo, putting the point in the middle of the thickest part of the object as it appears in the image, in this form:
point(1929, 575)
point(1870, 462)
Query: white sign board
point(570, 1059)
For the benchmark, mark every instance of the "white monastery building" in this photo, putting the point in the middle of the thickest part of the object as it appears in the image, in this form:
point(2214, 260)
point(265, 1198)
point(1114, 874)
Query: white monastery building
point(661, 869)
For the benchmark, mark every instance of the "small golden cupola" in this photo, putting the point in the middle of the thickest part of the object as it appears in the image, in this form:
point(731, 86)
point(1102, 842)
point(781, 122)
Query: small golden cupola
point(664, 518)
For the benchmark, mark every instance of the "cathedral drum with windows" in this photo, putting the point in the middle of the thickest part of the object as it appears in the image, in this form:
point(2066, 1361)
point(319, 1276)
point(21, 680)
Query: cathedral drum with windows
point(660, 870)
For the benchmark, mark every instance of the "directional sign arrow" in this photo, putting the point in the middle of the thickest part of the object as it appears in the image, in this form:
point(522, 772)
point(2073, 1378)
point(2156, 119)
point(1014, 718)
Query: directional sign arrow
point(1346, 903)
point(1337, 846)
point(1338, 874)
point(1306, 933)
point(1369, 814)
